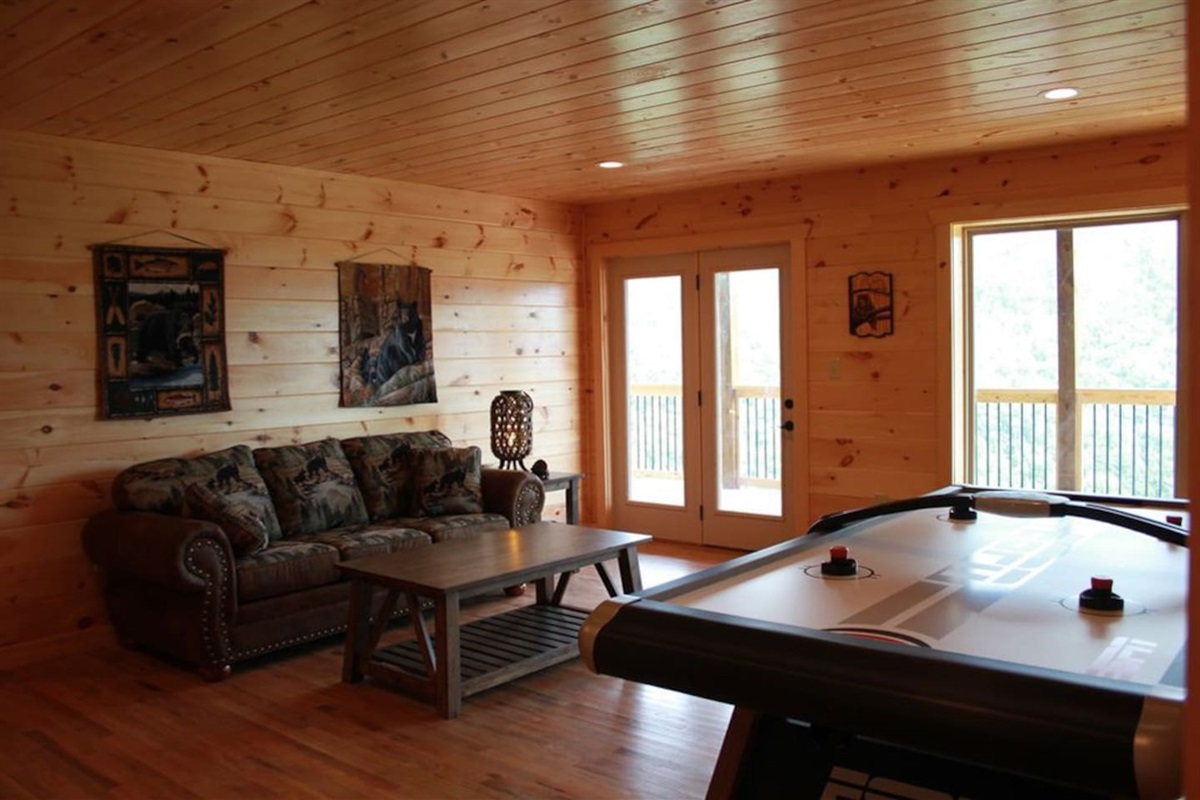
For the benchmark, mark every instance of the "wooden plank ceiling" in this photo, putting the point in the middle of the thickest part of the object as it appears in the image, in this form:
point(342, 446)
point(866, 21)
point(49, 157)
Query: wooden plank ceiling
point(523, 97)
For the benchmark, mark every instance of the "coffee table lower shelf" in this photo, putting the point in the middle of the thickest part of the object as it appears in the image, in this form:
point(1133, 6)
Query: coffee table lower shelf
point(492, 650)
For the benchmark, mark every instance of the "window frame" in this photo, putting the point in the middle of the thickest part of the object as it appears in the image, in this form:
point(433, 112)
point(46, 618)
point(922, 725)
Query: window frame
point(962, 439)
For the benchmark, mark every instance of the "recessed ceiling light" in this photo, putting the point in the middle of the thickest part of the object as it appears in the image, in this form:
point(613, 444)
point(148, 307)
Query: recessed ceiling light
point(1061, 93)
point(610, 164)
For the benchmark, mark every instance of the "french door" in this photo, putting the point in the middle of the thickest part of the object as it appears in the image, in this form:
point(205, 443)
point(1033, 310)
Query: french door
point(702, 417)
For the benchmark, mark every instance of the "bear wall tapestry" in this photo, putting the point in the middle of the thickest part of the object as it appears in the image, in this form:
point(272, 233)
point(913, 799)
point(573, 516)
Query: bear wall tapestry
point(386, 334)
point(161, 330)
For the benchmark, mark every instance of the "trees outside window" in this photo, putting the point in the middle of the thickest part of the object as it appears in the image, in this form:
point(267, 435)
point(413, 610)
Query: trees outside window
point(1071, 332)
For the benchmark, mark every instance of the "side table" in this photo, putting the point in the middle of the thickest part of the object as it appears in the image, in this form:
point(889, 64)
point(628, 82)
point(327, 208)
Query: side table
point(556, 481)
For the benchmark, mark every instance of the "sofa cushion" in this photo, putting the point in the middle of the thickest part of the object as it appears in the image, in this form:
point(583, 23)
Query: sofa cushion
point(160, 485)
point(285, 567)
point(369, 540)
point(243, 526)
point(312, 486)
point(383, 465)
point(447, 481)
point(456, 526)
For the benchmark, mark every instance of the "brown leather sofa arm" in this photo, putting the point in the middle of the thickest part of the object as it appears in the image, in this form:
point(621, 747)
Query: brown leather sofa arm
point(517, 495)
point(142, 545)
point(170, 584)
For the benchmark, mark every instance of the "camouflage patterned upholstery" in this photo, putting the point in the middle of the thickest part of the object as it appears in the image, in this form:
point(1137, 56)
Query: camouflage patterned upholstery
point(447, 481)
point(160, 485)
point(369, 540)
point(312, 486)
point(383, 466)
point(246, 530)
point(456, 526)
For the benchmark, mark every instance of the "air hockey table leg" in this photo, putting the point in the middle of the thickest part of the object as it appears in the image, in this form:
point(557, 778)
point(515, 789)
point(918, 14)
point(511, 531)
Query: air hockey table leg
point(760, 758)
point(769, 757)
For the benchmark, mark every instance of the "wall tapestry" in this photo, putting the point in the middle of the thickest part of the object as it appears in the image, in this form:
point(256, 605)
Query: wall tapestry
point(871, 304)
point(386, 334)
point(161, 330)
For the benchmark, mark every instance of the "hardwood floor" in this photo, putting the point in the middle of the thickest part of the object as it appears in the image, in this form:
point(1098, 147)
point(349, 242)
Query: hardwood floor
point(117, 723)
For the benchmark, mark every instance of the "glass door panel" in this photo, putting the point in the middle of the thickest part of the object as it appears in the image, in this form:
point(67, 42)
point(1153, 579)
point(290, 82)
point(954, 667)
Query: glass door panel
point(653, 363)
point(654, 381)
point(747, 368)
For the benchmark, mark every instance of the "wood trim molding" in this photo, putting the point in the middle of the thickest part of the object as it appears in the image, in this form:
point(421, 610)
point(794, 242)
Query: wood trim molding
point(1173, 198)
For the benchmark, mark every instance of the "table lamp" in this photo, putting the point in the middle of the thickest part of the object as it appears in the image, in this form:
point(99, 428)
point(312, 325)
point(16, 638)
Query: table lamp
point(512, 428)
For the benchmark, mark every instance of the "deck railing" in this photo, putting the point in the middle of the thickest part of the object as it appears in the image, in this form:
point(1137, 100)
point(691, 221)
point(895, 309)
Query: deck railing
point(1124, 441)
point(656, 434)
point(1124, 438)
point(656, 430)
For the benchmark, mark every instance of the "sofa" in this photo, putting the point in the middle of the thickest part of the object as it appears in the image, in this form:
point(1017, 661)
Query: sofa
point(218, 558)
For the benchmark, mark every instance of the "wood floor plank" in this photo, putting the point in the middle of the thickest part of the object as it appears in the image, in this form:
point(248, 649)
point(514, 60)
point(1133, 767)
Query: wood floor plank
point(117, 723)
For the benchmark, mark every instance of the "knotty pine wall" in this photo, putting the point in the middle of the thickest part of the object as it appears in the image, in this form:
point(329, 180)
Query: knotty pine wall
point(506, 314)
point(881, 427)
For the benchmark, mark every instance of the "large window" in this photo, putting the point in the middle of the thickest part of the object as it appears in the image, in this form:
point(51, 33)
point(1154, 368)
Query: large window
point(1071, 343)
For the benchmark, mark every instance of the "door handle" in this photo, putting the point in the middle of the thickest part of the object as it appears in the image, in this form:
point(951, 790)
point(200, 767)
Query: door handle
point(788, 426)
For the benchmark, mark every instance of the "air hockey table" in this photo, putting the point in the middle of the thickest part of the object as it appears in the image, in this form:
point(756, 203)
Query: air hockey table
point(962, 644)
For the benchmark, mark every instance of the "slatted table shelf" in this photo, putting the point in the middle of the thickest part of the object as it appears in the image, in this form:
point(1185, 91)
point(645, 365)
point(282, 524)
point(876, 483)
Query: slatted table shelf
point(494, 649)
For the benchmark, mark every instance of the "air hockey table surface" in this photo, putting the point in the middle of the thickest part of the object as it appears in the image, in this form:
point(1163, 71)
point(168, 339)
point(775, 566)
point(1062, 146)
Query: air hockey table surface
point(972, 634)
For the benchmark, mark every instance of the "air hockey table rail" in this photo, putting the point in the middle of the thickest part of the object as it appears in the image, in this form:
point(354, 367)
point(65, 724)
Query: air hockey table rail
point(960, 641)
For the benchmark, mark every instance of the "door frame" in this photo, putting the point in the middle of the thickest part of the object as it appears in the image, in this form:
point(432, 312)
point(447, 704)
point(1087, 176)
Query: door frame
point(598, 449)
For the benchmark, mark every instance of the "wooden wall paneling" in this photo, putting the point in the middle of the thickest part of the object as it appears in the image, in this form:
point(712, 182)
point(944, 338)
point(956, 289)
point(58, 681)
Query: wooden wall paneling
point(506, 306)
point(39, 629)
point(504, 372)
point(49, 427)
point(200, 213)
point(873, 453)
point(83, 163)
point(878, 421)
point(53, 542)
point(38, 235)
point(62, 388)
point(290, 347)
point(872, 396)
point(870, 484)
point(482, 291)
point(33, 351)
point(872, 366)
point(504, 319)
point(817, 201)
point(42, 505)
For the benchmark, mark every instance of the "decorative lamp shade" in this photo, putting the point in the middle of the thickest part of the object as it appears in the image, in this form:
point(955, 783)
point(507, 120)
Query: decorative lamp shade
point(512, 428)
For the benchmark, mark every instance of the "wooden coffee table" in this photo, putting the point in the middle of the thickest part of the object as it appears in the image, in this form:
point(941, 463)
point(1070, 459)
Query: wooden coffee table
point(459, 660)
